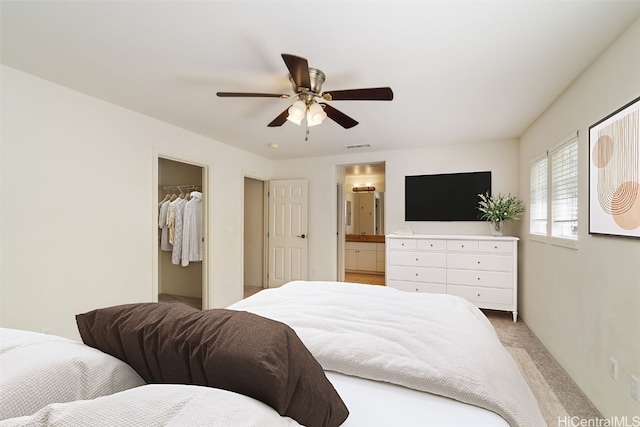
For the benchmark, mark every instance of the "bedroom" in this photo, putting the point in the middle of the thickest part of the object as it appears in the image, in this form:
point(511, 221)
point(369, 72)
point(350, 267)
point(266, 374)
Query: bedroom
point(71, 208)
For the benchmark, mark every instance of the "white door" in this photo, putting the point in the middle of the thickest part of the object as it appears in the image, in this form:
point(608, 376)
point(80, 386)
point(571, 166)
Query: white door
point(287, 231)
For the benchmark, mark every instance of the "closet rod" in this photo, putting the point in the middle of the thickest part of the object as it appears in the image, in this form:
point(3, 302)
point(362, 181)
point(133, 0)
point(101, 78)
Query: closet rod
point(179, 187)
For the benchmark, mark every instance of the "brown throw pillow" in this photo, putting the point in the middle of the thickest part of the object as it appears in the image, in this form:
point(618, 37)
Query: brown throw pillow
point(232, 350)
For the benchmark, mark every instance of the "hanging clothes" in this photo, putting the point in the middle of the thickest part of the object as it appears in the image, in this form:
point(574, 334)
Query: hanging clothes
point(177, 230)
point(192, 238)
point(166, 197)
point(162, 224)
point(171, 220)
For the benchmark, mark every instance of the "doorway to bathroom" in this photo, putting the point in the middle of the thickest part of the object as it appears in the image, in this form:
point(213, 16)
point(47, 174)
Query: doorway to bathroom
point(363, 221)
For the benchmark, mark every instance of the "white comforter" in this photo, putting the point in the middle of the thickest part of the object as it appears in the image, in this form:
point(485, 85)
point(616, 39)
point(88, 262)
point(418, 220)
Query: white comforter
point(158, 405)
point(38, 369)
point(435, 343)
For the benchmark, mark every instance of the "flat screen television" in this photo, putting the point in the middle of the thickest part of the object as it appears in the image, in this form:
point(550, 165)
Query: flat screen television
point(445, 197)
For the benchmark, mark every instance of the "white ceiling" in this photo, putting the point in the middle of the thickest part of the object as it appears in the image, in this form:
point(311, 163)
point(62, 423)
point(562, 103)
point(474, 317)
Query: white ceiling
point(461, 71)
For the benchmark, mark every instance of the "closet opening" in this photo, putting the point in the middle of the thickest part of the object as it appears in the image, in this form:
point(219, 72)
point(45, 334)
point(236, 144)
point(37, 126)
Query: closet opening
point(181, 233)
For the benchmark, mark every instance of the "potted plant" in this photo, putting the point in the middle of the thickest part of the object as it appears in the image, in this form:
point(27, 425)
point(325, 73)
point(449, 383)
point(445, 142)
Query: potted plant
point(498, 209)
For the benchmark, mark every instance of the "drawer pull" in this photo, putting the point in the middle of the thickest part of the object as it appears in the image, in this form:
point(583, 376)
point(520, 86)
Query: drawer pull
point(402, 244)
point(416, 259)
point(462, 246)
point(495, 247)
point(416, 289)
point(478, 278)
point(478, 262)
point(478, 294)
point(416, 274)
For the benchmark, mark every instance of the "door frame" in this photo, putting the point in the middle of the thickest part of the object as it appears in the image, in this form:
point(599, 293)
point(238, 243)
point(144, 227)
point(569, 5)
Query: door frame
point(340, 235)
point(340, 180)
point(265, 225)
point(206, 185)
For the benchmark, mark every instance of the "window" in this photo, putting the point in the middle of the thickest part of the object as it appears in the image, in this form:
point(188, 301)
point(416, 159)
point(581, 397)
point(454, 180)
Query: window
point(538, 197)
point(554, 192)
point(564, 190)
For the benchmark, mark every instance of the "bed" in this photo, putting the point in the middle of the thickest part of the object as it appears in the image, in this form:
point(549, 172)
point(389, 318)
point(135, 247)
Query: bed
point(387, 356)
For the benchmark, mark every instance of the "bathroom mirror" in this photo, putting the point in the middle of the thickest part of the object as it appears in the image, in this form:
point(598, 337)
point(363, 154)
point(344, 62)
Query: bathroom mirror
point(365, 213)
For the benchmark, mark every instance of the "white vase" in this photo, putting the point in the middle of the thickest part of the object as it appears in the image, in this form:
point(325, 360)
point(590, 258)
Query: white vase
point(496, 228)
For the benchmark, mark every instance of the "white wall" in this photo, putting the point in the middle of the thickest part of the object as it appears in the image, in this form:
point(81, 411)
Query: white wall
point(584, 304)
point(78, 198)
point(499, 157)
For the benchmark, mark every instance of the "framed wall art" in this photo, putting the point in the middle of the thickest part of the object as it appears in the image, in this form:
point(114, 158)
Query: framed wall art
point(614, 173)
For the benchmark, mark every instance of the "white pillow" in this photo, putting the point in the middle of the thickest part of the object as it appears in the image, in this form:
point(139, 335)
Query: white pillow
point(38, 369)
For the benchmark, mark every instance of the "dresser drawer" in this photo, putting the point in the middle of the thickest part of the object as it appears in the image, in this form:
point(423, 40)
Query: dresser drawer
point(480, 262)
point(402, 243)
point(418, 259)
point(480, 296)
point(492, 279)
point(434, 288)
point(418, 274)
point(496, 247)
point(432, 245)
point(462, 245)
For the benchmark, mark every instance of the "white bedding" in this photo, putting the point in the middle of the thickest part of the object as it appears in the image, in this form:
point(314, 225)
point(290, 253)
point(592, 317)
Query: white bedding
point(379, 404)
point(380, 347)
point(440, 344)
point(371, 404)
point(158, 405)
point(38, 369)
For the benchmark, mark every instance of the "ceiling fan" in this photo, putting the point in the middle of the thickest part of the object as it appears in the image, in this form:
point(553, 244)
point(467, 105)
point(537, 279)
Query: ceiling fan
point(307, 85)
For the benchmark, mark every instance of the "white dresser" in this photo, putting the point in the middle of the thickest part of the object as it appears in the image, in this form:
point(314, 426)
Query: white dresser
point(481, 269)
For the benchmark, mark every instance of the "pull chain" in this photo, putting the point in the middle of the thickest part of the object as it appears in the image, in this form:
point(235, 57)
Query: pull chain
point(306, 137)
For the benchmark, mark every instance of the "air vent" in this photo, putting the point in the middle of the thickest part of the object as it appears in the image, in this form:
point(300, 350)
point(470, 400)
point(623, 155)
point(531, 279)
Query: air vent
point(349, 147)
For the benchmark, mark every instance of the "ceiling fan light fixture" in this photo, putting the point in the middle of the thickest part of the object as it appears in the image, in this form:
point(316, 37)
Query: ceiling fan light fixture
point(295, 121)
point(315, 114)
point(297, 112)
point(307, 87)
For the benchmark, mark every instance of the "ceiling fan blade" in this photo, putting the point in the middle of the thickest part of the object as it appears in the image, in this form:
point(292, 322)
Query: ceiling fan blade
point(338, 116)
point(299, 70)
point(280, 120)
point(368, 94)
point(251, 95)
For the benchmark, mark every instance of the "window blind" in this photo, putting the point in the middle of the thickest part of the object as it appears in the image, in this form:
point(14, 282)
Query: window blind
point(564, 190)
point(538, 197)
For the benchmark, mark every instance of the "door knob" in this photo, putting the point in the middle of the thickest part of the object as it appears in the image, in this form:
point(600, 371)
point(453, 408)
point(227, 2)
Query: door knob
point(302, 235)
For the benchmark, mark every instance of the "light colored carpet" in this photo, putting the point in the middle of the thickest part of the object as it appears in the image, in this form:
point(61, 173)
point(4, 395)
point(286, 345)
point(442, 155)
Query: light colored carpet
point(557, 394)
point(551, 408)
point(190, 301)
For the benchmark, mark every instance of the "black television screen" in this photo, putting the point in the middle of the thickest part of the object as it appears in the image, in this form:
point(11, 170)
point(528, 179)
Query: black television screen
point(445, 197)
